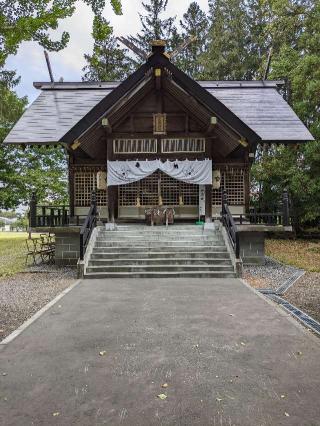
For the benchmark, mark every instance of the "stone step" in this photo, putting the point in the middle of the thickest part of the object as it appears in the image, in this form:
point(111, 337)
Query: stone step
point(160, 268)
point(160, 254)
point(116, 236)
point(171, 227)
point(158, 232)
point(164, 274)
point(148, 241)
point(160, 261)
point(153, 243)
point(161, 248)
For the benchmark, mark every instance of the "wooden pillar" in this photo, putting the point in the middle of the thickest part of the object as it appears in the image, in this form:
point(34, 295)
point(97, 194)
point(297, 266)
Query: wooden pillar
point(71, 189)
point(33, 211)
point(112, 191)
point(112, 199)
point(208, 205)
point(247, 188)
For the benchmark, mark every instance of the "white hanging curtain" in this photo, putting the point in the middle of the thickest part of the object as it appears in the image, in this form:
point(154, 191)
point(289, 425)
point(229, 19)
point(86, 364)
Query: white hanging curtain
point(190, 171)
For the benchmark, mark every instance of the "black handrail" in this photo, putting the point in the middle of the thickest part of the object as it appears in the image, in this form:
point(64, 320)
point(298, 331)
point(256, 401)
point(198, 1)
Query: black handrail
point(88, 226)
point(230, 225)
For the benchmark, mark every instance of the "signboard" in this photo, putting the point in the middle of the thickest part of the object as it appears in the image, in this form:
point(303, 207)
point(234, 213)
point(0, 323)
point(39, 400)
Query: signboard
point(202, 200)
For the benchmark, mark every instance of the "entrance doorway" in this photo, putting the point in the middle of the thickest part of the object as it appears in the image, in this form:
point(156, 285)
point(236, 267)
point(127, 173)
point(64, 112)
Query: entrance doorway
point(158, 189)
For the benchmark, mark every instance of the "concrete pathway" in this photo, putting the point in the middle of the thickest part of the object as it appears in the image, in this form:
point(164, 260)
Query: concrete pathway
point(229, 357)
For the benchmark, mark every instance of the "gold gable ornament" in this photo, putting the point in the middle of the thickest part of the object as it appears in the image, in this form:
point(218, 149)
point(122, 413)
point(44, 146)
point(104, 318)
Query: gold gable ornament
point(159, 124)
point(75, 144)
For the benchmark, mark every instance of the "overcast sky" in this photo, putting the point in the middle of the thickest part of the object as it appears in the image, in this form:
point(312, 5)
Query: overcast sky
point(68, 63)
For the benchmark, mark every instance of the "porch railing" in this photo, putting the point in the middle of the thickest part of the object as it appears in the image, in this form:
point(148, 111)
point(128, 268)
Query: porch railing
point(231, 222)
point(88, 226)
point(51, 215)
point(279, 217)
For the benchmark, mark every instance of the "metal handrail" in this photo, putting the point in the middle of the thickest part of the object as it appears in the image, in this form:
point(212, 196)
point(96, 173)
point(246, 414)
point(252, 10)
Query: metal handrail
point(230, 226)
point(88, 226)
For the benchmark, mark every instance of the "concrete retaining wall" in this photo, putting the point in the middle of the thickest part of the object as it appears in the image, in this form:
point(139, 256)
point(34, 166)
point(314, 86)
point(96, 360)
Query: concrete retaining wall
point(252, 248)
point(67, 246)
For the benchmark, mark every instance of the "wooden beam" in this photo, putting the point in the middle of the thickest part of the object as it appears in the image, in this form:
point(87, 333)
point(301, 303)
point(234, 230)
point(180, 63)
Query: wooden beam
point(201, 94)
point(95, 113)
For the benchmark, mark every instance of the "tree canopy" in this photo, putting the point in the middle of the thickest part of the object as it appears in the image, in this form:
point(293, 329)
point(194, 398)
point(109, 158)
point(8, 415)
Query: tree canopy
point(108, 62)
point(34, 169)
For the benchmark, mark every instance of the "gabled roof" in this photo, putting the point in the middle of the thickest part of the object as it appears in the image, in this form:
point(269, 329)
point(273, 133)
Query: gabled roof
point(64, 111)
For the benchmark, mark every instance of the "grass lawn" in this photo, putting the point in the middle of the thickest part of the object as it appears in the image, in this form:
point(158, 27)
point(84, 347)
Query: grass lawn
point(303, 254)
point(12, 252)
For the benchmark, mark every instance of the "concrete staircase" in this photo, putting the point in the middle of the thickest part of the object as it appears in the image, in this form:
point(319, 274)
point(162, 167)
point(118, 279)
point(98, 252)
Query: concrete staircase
point(152, 252)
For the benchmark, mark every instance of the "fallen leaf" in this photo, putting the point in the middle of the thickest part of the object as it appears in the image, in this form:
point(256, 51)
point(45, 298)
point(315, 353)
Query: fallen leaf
point(165, 385)
point(102, 353)
point(230, 397)
point(162, 396)
point(287, 414)
point(56, 414)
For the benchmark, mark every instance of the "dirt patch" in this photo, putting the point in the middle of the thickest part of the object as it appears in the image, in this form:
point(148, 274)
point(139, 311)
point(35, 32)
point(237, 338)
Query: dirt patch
point(23, 294)
point(303, 254)
point(305, 294)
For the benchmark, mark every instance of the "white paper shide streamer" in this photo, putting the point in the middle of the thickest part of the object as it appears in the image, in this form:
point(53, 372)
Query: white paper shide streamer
point(190, 171)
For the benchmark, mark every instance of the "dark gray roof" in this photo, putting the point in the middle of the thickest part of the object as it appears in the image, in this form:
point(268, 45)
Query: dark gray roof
point(52, 114)
point(61, 105)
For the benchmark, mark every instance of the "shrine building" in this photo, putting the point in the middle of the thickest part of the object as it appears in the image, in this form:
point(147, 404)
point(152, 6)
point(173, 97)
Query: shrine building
point(159, 113)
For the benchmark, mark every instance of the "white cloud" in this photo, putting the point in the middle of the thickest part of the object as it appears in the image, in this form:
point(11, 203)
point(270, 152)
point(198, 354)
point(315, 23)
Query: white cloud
point(68, 63)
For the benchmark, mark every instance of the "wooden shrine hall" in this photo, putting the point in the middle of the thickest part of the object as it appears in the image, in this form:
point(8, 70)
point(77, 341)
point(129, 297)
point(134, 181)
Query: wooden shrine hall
point(159, 113)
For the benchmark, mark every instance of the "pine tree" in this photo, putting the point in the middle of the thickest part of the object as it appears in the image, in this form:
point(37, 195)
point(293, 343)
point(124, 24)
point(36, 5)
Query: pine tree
point(108, 61)
point(259, 43)
point(228, 39)
point(154, 27)
point(194, 24)
point(296, 57)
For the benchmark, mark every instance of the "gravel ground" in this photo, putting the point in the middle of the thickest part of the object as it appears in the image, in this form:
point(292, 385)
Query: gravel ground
point(305, 294)
point(271, 275)
point(25, 293)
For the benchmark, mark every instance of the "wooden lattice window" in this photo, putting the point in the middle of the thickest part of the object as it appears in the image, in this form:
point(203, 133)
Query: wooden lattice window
point(169, 190)
point(183, 145)
point(134, 146)
point(189, 194)
point(85, 181)
point(128, 194)
point(149, 193)
point(233, 181)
